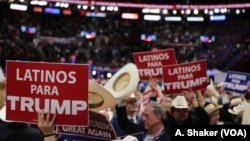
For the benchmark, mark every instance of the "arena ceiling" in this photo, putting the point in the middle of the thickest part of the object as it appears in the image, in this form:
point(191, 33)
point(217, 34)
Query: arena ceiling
point(180, 1)
point(157, 1)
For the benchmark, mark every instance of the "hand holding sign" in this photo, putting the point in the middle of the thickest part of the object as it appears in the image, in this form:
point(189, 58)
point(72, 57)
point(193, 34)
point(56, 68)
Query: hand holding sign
point(46, 125)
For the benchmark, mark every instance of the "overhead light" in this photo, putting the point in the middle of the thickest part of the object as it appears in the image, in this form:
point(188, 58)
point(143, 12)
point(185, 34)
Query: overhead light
point(152, 17)
point(217, 18)
point(173, 18)
point(131, 16)
point(19, 7)
point(195, 19)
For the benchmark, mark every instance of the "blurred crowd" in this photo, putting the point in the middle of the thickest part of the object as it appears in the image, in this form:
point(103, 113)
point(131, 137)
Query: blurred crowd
point(57, 39)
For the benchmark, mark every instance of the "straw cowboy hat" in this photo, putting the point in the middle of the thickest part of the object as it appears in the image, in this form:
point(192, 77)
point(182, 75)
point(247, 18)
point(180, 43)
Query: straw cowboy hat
point(211, 108)
point(124, 82)
point(99, 97)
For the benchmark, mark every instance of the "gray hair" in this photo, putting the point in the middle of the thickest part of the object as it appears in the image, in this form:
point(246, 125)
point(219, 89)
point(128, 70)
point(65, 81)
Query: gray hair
point(158, 109)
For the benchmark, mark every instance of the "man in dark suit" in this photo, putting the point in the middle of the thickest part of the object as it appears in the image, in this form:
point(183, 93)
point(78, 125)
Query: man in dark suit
point(130, 108)
point(154, 116)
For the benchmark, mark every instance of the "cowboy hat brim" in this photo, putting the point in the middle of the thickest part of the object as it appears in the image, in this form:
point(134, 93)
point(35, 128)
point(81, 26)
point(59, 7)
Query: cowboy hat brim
point(124, 82)
point(99, 97)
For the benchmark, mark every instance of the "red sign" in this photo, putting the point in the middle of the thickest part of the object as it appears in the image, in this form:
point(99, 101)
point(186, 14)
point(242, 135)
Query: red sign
point(61, 89)
point(180, 77)
point(99, 127)
point(150, 63)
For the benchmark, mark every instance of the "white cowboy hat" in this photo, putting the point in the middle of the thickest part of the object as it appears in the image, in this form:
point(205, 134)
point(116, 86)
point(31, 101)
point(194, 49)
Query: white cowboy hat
point(99, 97)
point(211, 88)
point(124, 82)
point(237, 109)
point(127, 138)
point(180, 102)
point(235, 101)
point(210, 108)
point(245, 116)
point(130, 138)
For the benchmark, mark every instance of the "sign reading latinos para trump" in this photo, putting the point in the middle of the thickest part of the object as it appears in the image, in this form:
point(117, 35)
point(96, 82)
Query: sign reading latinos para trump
point(180, 77)
point(236, 82)
point(150, 63)
point(61, 89)
point(99, 128)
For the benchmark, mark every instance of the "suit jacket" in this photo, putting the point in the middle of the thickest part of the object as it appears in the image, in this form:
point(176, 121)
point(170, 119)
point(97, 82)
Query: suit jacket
point(132, 128)
point(163, 136)
point(14, 131)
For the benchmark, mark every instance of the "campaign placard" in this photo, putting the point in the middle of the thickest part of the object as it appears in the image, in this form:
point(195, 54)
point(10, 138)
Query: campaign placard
point(59, 88)
point(236, 82)
point(99, 128)
point(150, 63)
point(180, 77)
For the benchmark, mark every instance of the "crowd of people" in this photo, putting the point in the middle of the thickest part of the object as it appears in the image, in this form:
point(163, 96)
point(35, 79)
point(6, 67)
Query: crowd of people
point(57, 39)
point(157, 120)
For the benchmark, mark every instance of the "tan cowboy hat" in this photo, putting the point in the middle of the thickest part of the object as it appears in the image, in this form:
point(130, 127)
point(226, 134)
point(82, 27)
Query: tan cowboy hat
point(99, 97)
point(131, 97)
point(124, 82)
point(210, 108)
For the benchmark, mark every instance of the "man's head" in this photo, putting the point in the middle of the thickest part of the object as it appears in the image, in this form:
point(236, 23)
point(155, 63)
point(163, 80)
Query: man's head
point(131, 104)
point(153, 115)
point(179, 109)
point(214, 112)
